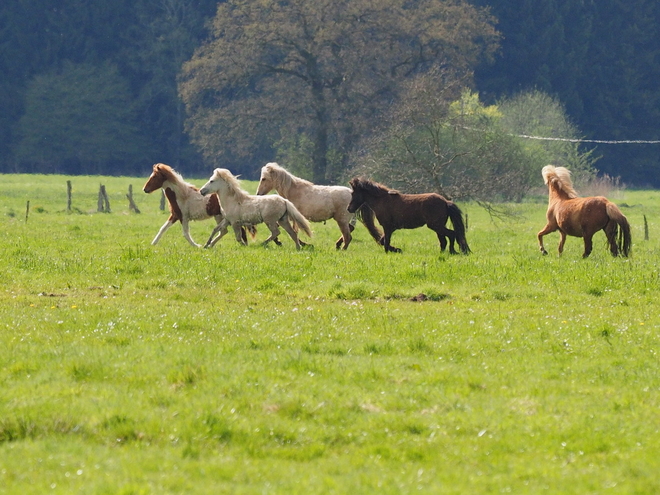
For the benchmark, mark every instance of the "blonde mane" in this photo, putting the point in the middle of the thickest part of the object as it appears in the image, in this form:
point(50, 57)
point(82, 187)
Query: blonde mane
point(283, 179)
point(559, 178)
point(233, 184)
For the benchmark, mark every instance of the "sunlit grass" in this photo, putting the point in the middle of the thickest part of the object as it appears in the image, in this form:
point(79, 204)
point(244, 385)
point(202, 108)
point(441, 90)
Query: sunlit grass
point(128, 368)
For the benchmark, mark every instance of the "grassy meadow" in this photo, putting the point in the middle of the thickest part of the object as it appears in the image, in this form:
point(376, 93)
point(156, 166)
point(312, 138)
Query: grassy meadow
point(128, 368)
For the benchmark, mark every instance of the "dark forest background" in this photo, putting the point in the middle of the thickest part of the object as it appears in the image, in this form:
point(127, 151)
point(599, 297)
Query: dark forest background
point(92, 87)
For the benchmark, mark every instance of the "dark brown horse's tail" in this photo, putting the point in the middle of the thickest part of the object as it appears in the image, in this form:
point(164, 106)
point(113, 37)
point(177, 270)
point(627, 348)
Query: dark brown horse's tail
point(456, 216)
point(366, 215)
point(624, 240)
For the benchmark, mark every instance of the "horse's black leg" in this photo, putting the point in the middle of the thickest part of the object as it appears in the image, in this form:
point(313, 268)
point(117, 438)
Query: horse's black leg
point(386, 242)
point(443, 232)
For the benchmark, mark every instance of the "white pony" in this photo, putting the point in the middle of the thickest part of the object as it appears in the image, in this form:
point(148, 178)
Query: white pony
point(241, 208)
point(316, 203)
point(185, 202)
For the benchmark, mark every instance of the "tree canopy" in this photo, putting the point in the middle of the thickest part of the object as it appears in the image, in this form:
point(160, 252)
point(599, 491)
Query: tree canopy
point(326, 69)
point(304, 82)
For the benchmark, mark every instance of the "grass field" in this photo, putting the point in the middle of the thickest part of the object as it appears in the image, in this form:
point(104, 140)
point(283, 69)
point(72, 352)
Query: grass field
point(133, 369)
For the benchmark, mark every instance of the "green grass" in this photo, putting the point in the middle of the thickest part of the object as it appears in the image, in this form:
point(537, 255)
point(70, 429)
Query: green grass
point(133, 369)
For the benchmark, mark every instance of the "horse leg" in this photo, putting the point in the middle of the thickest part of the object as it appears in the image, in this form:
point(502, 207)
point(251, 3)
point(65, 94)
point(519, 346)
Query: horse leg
point(222, 228)
point(239, 232)
point(546, 230)
point(291, 231)
point(562, 241)
point(611, 232)
point(185, 225)
point(588, 245)
point(163, 229)
point(443, 242)
point(274, 232)
point(346, 236)
point(386, 242)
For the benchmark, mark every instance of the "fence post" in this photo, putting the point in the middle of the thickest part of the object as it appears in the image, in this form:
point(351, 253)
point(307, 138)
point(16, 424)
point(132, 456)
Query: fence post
point(103, 204)
point(131, 203)
point(68, 195)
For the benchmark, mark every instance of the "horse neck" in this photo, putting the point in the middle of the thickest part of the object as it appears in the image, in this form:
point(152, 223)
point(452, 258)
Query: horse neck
point(229, 193)
point(284, 183)
point(556, 194)
point(181, 189)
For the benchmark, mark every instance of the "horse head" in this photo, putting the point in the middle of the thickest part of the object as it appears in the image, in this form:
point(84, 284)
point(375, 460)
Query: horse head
point(212, 185)
point(266, 181)
point(159, 175)
point(357, 195)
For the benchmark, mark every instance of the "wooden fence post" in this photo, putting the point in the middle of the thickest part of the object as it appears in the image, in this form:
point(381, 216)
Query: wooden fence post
point(103, 204)
point(162, 200)
point(646, 229)
point(68, 195)
point(131, 203)
point(27, 210)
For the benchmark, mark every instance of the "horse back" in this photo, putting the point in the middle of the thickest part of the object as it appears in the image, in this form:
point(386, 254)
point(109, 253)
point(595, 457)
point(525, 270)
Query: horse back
point(579, 215)
point(409, 211)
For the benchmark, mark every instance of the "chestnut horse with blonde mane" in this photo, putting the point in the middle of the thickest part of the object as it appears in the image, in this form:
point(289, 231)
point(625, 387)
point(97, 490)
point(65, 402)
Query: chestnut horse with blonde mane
point(185, 202)
point(395, 210)
point(582, 217)
point(316, 202)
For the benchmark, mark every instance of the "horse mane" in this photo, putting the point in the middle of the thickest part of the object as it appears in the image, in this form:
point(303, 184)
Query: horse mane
point(233, 184)
point(371, 187)
point(560, 179)
point(282, 178)
point(171, 175)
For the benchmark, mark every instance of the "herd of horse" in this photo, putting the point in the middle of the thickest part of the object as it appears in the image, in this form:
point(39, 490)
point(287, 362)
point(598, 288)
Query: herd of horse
point(299, 202)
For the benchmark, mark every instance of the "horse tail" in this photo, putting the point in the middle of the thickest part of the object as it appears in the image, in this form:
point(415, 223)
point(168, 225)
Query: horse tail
point(624, 240)
point(456, 216)
point(366, 215)
point(252, 230)
point(298, 219)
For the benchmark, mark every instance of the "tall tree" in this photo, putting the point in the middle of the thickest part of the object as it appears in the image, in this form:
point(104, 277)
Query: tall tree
point(324, 69)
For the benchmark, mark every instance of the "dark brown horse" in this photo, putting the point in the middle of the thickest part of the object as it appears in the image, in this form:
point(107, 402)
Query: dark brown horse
point(582, 217)
point(408, 211)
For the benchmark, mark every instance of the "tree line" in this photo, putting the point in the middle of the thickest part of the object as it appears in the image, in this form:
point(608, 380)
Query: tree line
point(325, 86)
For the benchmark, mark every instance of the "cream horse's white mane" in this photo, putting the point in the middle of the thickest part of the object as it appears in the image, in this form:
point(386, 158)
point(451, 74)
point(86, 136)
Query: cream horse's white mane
point(560, 177)
point(283, 179)
point(233, 184)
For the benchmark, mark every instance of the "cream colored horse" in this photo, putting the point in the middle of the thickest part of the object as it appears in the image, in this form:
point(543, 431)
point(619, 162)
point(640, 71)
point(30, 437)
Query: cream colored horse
point(581, 217)
point(316, 203)
point(241, 208)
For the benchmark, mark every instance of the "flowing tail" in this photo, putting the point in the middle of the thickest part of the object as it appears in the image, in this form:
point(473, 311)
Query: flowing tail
point(299, 221)
point(366, 215)
point(624, 240)
point(456, 216)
